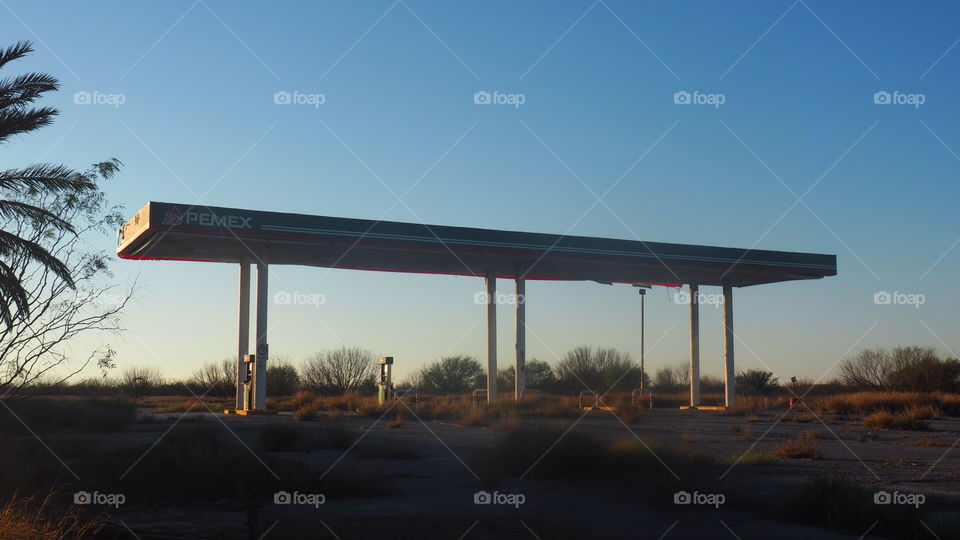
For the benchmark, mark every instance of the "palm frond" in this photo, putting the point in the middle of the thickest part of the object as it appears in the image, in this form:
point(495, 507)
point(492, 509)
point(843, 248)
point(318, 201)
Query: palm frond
point(15, 120)
point(25, 89)
point(45, 177)
point(12, 294)
point(38, 216)
point(11, 244)
point(15, 51)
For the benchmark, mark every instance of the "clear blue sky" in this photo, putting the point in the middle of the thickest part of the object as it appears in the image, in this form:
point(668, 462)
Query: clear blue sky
point(198, 124)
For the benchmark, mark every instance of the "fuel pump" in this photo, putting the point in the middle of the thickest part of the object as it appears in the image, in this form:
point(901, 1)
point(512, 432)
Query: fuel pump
point(249, 363)
point(384, 384)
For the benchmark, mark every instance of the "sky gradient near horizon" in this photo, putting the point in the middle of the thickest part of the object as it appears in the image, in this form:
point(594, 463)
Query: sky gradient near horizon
point(806, 152)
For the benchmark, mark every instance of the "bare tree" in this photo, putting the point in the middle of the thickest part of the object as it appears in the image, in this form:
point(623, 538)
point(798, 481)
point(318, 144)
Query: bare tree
point(339, 370)
point(137, 381)
point(598, 369)
point(869, 369)
point(39, 344)
point(215, 378)
point(672, 378)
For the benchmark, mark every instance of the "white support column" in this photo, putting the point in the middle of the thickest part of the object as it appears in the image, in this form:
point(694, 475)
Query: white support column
point(729, 375)
point(243, 343)
point(520, 368)
point(694, 345)
point(263, 349)
point(491, 338)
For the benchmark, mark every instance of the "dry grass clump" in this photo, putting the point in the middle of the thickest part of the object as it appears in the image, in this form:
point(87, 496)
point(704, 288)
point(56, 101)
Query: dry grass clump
point(886, 420)
point(796, 448)
point(473, 416)
point(930, 443)
point(814, 434)
point(757, 458)
point(305, 413)
point(304, 398)
point(923, 412)
point(509, 422)
point(33, 518)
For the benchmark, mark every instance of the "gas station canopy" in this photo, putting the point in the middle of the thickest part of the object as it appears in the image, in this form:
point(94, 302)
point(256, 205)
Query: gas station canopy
point(168, 231)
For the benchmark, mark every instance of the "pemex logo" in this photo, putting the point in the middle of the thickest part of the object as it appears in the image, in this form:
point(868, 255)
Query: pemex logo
point(173, 217)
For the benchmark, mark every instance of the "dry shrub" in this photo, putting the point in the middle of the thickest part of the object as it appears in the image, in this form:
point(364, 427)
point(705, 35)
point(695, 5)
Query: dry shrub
point(865, 403)
point(753, 405)
point(796, 448)
point(814, 434)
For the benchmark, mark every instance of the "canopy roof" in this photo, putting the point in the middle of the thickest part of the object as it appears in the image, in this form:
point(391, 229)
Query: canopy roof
point(169, 231)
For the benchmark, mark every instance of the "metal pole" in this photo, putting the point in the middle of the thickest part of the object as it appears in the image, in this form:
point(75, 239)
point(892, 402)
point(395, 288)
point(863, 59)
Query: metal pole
point(643, 297)
point(491, 338)
point(263, 349)
point(694, 345)
point(520, 367)
point(243, 344)
point(729, 376)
